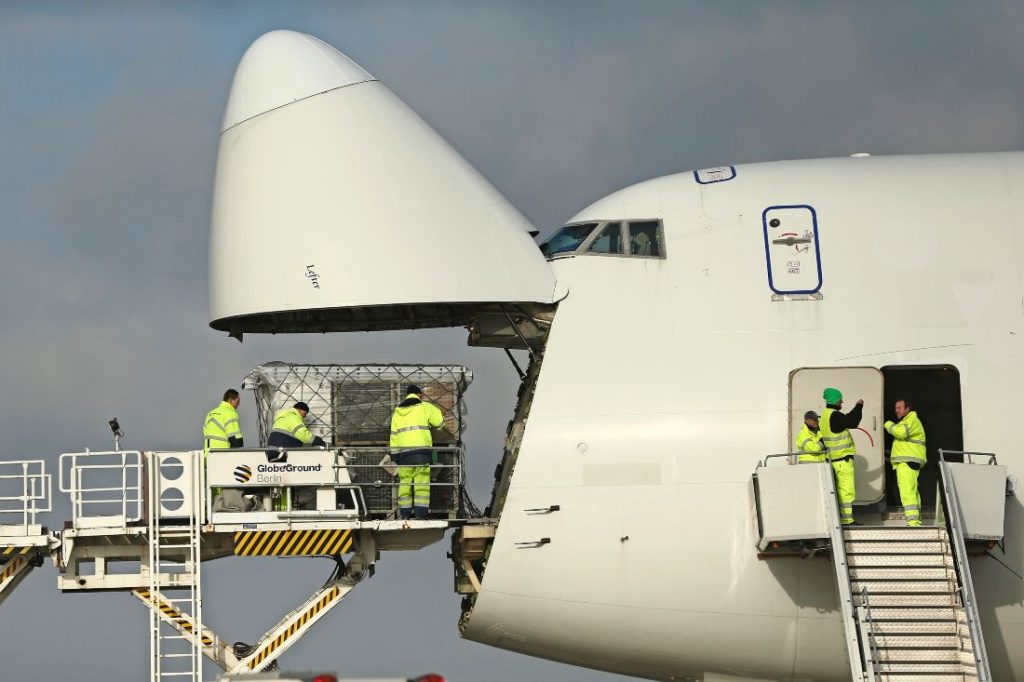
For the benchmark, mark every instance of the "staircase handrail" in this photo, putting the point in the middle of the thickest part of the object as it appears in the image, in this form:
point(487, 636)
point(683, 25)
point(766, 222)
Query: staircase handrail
point(842, 568)
point(955, 522)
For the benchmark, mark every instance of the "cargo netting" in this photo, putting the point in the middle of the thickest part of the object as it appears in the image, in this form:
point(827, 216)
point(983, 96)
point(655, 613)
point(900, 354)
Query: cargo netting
point(350, 407)
point(352, 404)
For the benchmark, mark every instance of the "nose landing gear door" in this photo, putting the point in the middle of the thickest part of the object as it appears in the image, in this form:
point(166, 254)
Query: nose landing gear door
point(805, 393)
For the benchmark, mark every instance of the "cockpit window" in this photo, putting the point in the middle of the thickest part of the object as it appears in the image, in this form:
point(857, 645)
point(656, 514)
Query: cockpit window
point(567, 239)
point(645, 238)
point(608, 240)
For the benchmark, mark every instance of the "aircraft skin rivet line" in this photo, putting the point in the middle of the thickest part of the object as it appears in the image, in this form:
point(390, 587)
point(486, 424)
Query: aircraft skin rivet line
point(12, 550)
point(11, 569)
point(174, 614)
point(299, 622)
point(293, 542)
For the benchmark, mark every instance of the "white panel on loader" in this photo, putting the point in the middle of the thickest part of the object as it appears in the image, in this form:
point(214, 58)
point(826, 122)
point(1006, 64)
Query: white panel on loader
point(805, 389)
point(337, 208)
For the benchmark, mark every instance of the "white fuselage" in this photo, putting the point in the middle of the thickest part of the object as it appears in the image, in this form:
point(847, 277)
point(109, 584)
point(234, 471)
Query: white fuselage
point(664, 381)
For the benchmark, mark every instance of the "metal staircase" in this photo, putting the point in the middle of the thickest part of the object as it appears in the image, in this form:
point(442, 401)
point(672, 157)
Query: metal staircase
point(911, 616)
point(175, 565)
point(907, 600)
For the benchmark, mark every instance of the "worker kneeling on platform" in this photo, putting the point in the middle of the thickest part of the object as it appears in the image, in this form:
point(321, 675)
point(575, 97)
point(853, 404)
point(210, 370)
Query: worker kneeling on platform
point(411, 448)
point(290, 431)
point(808, 441)
point(835, 433)
point(909, 454)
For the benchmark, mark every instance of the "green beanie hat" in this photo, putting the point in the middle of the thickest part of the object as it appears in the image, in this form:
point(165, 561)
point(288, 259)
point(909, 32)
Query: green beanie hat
point(832, 396)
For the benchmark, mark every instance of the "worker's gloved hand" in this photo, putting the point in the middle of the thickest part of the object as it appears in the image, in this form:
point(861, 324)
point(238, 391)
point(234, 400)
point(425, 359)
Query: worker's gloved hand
point(318, 442)
point(860, 402)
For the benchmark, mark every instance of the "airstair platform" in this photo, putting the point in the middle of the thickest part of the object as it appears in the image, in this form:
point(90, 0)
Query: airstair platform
point(906, 597)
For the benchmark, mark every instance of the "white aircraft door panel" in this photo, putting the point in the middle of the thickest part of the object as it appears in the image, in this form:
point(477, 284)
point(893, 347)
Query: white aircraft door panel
point(805, 389)
point(791, 248)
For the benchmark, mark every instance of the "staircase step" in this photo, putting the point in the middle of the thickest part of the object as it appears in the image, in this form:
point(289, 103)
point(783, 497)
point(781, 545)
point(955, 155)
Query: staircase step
point(914, 627)
point(920, 656)
point(890, 534)
point(920, 668)
point(903, 614)
point(900, 560)
point(886, 642)
point(919, 677)
point(904, 601)
point(899, 547)
point(902, 573)
point(903, 586)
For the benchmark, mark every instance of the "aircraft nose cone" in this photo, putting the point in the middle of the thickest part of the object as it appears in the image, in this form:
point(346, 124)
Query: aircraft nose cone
point(282, 67)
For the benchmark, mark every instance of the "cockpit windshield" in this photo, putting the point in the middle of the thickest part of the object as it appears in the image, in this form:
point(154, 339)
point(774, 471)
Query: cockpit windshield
point(567, 239)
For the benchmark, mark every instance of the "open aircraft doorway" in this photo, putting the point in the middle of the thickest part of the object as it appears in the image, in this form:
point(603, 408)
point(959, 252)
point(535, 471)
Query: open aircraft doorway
point(934, 392)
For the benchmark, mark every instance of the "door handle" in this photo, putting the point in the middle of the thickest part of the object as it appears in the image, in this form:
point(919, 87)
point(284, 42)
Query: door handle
point(544, 510)
point(531, 544)
point(874, 423)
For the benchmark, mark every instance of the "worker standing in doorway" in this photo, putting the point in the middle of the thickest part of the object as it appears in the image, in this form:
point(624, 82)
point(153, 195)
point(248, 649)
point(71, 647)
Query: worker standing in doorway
point(222, 429)
point(909, 454)
point(411, 444)
point(808, 441)
point(835, 433)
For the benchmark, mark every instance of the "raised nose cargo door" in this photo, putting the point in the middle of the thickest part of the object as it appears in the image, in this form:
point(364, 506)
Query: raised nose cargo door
point(337, 208)
point(805, 389)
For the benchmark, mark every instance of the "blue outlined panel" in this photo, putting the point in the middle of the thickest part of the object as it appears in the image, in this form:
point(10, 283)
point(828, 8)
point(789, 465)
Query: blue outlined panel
point(709, 176)
point(791, 249)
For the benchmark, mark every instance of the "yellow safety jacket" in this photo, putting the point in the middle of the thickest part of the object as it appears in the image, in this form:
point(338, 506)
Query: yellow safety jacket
point(411, 424)
point(220, 426)
point(809, 445)
point(839, 445)
point(908, 439)
point(289, 422)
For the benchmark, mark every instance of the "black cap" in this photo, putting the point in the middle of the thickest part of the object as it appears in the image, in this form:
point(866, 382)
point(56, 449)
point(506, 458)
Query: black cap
point(811, 414)
point(413, 388)
point(301, 406)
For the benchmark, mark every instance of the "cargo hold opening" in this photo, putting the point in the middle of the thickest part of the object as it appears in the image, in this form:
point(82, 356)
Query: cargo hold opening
point(934, 392)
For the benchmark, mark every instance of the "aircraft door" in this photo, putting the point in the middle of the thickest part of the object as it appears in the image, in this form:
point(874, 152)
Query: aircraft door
point(805, 388)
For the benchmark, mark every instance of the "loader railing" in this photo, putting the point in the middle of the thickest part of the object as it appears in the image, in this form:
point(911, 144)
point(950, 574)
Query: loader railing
point(25, 491)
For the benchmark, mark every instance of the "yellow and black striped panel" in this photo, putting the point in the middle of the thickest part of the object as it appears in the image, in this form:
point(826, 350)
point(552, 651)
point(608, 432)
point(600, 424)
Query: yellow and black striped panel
point(293, 542)
point(11, 568)
point(286, 634)
point(180, 619)
point(8, 551)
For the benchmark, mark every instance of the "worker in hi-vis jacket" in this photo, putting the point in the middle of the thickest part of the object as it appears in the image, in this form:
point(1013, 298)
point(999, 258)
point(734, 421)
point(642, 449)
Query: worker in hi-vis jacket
point(411, 443)
point(808, 441)
point(835, 433)
point(290, 431)
point(221, 429)
point(909, 454)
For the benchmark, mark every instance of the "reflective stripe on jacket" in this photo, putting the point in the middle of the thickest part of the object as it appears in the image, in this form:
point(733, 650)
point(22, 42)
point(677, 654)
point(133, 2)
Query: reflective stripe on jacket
point(411, 423)
point(809, 445)
point(290, 423)
point(220, 427)
point(840, 444)
point(908, 443)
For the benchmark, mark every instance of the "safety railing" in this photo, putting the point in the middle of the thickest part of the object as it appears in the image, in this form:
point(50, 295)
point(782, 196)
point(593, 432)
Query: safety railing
point(868, 638)
point(105, 487)
point(953, 514)
point(372, 470)
point(25, 491)
point(378, 478)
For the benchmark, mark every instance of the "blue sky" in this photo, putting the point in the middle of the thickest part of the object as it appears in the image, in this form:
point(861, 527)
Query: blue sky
point(109, 115)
